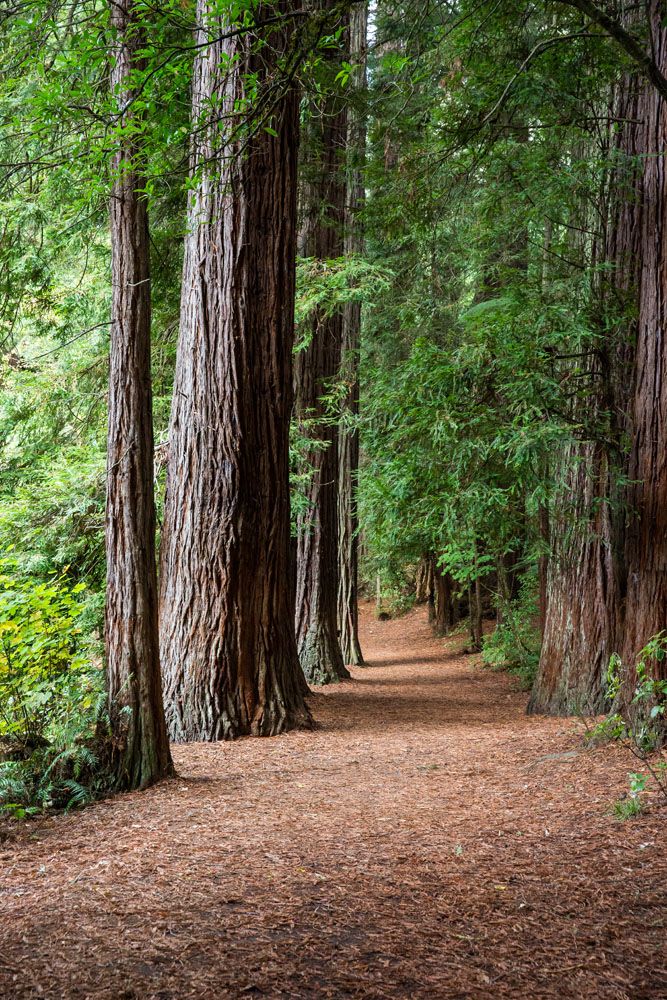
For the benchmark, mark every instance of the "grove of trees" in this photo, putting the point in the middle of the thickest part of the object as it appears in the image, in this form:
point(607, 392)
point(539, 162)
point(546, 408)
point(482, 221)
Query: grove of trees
point(305, 302)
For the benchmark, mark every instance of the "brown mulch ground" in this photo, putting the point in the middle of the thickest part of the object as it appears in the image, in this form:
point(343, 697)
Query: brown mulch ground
point(429, 840)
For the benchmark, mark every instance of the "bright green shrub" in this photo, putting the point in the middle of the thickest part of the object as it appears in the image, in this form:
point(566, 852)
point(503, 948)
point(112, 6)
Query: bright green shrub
point(514, 645)
point(45, 677)
point(53, 734)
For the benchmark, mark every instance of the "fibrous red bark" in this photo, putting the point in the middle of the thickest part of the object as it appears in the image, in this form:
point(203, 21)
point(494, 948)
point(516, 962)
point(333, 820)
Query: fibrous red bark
point(227, 610)
point(646, 540)
point(584, 619)
point(316, 368)
point(141, 748)
point(348, 444)
point(445, 617)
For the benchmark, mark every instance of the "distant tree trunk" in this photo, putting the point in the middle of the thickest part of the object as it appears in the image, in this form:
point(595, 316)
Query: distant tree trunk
point(581, 593)
point(444, 616)
point(227, 610)
point(586, 575)
point(423, 579)
point(543, 563)
point(475, 606)
point(646, 541)
point(456, 605)
point(316, 368)
point(348, 445)
point(430, 589)
point(132, 650)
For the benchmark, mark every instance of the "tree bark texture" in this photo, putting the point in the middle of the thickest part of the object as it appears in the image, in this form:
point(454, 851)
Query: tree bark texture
point(475, 611)
point(582, 600)
point(444, 615)
point(227, 609)
point(348, 444)
point(586, 572)
point(323, 195)
point(424, 579)
point(544, 529)
point(646, 538)
point(141, 748)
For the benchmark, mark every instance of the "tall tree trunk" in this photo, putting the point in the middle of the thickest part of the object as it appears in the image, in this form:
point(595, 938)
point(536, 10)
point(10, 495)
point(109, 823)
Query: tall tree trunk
point(582, 599)
point(543, 563)
point(430, 588)
point(316, 367)
point(444, 616)
point(227, 610)
point(423, 578)
point(132, 650)
point(646, 541)
point(586, 574)
point(475, 611)
point(348, 451)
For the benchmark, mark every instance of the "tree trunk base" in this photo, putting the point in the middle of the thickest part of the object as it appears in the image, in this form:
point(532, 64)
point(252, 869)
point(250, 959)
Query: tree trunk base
point(352, 655)
point(321, 659)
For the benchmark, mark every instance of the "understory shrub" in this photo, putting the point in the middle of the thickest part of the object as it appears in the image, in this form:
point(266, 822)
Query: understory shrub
point(514, 645)
point(642, 727)
point(52, 727)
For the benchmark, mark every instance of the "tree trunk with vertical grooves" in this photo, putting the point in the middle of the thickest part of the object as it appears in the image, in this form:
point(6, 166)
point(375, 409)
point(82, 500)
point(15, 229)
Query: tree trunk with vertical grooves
point(423, 579)
point(316, 367)
point(586, 575)
point(580, 624)
point(475, 606)
point(430, 589)
point(646, 540)
point(348, 445)
point(227, 610)
point(141, 747)
point(543, 563)
point(444, 616)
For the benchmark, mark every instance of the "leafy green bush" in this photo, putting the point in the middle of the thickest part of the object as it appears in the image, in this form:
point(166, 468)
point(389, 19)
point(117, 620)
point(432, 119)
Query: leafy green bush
point(646, 724)
point(611, 728)
point(52, 731)
point(43, 672)
point(633, 803)
point(514, 645)
point(642, 727)
point(53, 523)
point(66, 773)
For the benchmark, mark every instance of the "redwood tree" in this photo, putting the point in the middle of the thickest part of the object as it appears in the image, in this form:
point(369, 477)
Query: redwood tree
point(604, 590)
point(132, 652)
point(323, 198)
point(646, 540)
point(348, 447)
point(227, 611)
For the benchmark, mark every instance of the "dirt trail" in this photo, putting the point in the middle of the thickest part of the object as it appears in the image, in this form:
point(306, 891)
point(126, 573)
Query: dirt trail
point(429, 840)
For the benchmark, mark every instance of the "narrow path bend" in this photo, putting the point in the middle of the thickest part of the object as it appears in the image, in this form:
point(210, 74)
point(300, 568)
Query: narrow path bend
point(429, 840)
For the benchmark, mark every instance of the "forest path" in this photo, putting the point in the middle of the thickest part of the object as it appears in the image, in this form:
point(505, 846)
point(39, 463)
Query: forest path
point(429, 840)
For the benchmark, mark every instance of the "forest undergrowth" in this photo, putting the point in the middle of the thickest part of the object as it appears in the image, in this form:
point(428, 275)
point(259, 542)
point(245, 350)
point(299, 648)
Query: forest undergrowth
point(428, 839)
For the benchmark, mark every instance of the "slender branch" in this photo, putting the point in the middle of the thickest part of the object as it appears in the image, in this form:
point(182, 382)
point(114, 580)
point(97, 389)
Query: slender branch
point(628, 42)
point(83, 333)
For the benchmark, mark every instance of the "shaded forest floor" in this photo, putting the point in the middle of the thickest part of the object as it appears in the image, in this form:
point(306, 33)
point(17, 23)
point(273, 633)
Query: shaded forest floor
point(429, 840)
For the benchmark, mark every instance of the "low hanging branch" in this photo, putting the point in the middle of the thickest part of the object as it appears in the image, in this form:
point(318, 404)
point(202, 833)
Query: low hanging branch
point(628, 42)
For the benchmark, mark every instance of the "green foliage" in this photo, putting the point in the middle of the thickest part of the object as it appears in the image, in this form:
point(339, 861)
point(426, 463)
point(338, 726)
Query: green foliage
point(475, 361)
point(65, 774)
point(396, 598)
point(609, 729)
point(514, 645)
point(645, 723)
point(642, 728)
point(45, 677)
point(633, 803)
point(326, 286)
point(53, 735)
